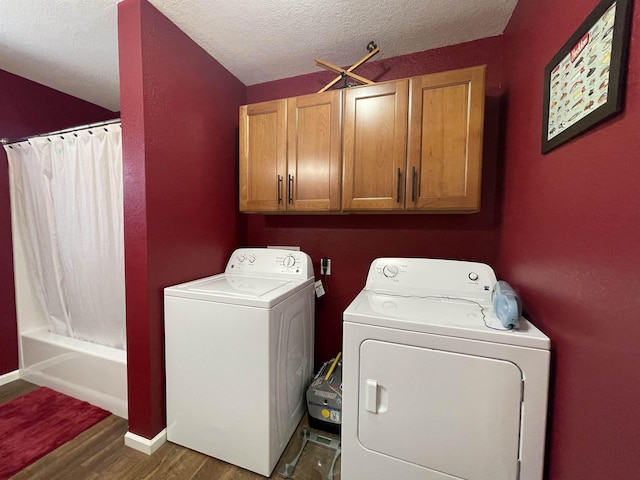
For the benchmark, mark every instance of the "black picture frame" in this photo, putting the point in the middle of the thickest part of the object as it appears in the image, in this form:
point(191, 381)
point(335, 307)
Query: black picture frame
point(584, 82)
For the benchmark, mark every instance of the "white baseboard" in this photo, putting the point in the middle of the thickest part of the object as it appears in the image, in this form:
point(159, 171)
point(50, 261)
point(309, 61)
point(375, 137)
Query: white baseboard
point(145, 445)
point(9, 377)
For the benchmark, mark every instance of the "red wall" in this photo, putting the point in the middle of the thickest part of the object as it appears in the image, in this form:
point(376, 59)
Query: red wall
point(353, 241)
point(569, 243)
point(180, 120)
point(27, 108)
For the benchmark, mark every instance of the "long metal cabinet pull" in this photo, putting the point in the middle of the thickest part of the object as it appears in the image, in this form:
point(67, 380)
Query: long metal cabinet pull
point(413, 184)
point(290, 189)
point(399, 179)
point(279, 189)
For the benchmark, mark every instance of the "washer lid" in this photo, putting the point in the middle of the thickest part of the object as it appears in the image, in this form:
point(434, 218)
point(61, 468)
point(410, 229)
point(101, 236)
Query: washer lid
point(237, 285)
point(455, 317)
point(263, 292)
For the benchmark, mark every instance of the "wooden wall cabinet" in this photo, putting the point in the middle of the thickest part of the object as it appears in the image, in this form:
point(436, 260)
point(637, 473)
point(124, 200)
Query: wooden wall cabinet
point(446, 125)
point(290, 154)
point(263, 156)
point(411, 145)
point(416, 144)
point(375, 146)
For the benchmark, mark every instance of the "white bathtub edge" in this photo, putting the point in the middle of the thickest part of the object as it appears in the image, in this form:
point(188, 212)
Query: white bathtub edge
point(86, 371)
point(145, 445)
point(9, 377)
point(108, 353)
point(116, 406)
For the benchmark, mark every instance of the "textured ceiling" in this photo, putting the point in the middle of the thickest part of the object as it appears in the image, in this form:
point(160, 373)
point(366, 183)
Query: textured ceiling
point(71, 45)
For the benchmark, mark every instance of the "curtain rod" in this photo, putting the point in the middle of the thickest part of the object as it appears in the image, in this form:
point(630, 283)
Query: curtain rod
point(6, 141)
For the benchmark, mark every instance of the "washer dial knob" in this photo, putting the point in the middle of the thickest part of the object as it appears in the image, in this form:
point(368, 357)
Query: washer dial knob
point(390, 271)
point(473, 276)
point(289, 261)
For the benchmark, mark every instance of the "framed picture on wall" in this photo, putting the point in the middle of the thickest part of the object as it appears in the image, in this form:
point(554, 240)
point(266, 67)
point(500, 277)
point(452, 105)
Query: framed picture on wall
point(584, 82)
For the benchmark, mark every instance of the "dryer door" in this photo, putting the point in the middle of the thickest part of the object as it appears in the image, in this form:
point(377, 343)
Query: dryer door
point(453, 413)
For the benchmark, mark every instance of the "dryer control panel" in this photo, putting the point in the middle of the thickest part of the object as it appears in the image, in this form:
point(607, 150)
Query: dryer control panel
point(426, 276)
point(270, 262)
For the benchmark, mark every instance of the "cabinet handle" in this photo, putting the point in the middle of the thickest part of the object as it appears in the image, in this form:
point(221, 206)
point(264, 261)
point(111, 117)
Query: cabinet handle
point(290, 189)
point(279, 189)
point(413, 184)
point(399, 180)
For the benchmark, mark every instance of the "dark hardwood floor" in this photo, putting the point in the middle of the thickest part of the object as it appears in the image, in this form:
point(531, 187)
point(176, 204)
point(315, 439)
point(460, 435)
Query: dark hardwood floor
point(100, 453)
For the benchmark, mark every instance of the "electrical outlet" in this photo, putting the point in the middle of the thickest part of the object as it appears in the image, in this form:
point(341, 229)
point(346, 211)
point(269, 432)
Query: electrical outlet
point(325, 266)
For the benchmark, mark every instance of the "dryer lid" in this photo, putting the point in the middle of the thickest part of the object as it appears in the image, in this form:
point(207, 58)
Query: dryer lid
point(456, 317)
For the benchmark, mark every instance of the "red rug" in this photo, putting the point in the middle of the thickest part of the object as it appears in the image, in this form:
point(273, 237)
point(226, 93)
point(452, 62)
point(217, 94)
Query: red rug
point(39, 422)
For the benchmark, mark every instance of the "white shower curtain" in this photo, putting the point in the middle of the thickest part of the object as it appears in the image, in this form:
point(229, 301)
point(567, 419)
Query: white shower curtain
point(66, 194)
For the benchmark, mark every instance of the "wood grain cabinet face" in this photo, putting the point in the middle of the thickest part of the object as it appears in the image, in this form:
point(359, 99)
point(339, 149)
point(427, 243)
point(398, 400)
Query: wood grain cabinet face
point(263, 161)
point(446, 122)
point(314, 141)
point(374, 148)
point(290, 154)
point(411, 145)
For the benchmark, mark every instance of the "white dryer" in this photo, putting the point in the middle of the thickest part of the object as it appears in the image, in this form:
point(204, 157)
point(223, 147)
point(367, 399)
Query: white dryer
point(434, 387)
point(239, 356)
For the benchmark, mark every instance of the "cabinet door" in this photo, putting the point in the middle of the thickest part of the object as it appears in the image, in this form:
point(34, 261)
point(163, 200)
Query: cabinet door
point(263, 156)
point(446, 121)
point(314, 148)
point(375, 135)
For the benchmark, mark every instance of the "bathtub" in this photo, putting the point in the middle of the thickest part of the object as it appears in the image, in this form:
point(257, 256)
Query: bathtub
point(94, 373)
point(87, 371)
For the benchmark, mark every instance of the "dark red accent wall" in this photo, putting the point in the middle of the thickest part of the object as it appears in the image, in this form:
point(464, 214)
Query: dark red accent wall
point(569, 243)
point(180, 138)
point(353, 241)
point(27, 108)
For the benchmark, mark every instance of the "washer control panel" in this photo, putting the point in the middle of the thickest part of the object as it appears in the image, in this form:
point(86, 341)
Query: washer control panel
point(289, 261)
point(270, 262)
point(390, 270)
point(425, 276)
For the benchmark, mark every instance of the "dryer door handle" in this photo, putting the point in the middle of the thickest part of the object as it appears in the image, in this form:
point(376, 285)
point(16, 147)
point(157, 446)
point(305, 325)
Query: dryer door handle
point(371, 395)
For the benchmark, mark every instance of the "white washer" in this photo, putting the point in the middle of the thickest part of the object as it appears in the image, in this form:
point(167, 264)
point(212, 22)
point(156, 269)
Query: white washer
point(434, 387)
point(239, 356)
